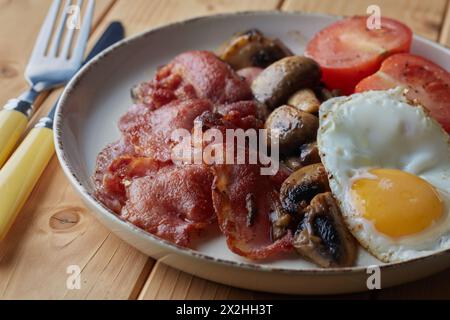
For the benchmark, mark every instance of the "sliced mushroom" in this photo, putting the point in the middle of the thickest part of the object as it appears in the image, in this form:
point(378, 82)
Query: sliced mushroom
point(252, 49)
point(309, 154)
point(292, 127)
point(323, 237)
point(305, 100)
point(302, 186)
point(281, 221)
point(293, 163)
point(280, 80)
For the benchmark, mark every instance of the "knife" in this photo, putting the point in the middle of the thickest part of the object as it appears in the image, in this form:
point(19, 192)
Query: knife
point(23, 169)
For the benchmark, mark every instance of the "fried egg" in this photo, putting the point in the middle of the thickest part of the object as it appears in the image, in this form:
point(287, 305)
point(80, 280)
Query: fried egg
point(389, 168)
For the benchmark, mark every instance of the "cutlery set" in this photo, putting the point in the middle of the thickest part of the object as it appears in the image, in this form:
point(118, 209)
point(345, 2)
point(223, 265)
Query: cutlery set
point(57, 56)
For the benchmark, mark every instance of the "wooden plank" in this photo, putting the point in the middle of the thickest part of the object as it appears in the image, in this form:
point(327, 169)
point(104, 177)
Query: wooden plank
point(166, 283)
point(445, 32)
point(143, 14)
point(434, 287)
point(55, 231)
point(424, 17)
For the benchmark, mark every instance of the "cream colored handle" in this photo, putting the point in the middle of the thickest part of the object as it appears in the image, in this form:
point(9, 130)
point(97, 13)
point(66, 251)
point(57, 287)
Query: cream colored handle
point(12, 126)
point(21, 173)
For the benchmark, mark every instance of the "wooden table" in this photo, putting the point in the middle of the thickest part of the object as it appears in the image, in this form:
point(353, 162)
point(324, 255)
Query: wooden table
point(55, 230)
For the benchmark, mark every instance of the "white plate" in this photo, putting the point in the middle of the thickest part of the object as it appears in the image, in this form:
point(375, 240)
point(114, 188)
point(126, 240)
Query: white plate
point(94, 100)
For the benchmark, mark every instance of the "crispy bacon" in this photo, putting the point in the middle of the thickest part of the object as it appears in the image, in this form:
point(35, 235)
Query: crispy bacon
point(173, 202)
point(150, 132)
point(121, 172)
point(244, 201)
point(245, 108)
point(138, 180)
point(191, 75)
point(104, 191)
point(212, 78)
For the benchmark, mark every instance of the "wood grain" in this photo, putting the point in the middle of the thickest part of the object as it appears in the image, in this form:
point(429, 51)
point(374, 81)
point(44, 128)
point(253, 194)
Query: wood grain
point(166, 283)
point(424, 17)
point(445, 32)
point(143, 14)
point(435, 287)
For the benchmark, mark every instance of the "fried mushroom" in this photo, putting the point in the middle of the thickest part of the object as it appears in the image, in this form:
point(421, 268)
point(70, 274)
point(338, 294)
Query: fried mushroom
point(293, 163)
point(281, 221)
point(252, 49)
point(282, 79)
point(309, 154)
point(323, 237)
point(292, 127)
point(302, 186)
point(305, 100)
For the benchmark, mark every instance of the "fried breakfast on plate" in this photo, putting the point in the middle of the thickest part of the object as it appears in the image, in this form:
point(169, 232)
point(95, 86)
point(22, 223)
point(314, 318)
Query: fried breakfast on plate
point(370, 168)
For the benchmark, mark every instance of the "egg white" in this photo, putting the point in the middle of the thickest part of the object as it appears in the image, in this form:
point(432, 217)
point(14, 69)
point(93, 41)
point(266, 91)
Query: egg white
point(382, 129)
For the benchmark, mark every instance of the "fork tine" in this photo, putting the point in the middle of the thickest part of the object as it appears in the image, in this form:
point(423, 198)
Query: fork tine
point(46, 30)
point(80, 45)
point(69, 36)
point(59, 31)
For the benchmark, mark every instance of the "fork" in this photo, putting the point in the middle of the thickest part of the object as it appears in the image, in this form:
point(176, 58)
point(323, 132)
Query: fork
point(23, 169)
point(52, 64)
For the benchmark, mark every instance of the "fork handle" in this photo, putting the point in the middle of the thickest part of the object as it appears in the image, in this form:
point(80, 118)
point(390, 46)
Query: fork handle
point(12, 126)
point(22, 171)
point(13, 122)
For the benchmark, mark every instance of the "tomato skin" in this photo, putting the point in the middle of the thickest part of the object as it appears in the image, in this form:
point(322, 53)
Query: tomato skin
point(427, 83)
point(348, 52)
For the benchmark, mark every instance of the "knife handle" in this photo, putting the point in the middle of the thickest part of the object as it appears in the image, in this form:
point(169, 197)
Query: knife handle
point(12, 125)
point(21, 173)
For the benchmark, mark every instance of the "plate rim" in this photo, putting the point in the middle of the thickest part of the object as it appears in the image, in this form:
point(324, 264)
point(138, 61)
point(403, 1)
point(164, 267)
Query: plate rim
point(103, 210)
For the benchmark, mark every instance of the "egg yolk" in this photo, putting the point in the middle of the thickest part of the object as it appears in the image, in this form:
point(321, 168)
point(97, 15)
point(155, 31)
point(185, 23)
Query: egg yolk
point(398, 203)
